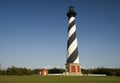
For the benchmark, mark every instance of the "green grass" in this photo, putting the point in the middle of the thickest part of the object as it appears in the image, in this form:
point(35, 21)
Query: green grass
point(58, 79)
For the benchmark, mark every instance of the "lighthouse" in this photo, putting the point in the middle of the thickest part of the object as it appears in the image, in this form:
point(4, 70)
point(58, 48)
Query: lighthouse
point(72, 62)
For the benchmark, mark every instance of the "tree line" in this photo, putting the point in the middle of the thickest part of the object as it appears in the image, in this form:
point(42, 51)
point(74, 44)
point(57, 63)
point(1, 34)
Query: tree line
point(18, 71)
point(106, 71)
point(24, 71)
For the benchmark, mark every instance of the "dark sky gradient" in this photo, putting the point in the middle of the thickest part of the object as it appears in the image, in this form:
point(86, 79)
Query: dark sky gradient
point(33, 33)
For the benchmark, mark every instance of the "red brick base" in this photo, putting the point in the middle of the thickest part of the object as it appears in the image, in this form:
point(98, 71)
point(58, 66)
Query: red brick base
point(73, 69)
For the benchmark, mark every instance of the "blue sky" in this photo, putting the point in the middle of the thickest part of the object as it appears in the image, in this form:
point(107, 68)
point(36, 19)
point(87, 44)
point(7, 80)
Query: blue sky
point(33, 33)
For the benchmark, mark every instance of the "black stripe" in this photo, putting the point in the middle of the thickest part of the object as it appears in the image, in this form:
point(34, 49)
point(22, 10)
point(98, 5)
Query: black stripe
point(73, 56)
point(71, 39)
point(71, 25)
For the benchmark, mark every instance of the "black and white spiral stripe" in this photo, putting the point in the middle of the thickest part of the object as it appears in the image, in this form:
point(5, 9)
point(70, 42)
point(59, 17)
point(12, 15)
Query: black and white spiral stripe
point(72, 45)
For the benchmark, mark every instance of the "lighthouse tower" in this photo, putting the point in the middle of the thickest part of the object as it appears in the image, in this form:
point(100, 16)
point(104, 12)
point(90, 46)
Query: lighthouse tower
point(72, 63)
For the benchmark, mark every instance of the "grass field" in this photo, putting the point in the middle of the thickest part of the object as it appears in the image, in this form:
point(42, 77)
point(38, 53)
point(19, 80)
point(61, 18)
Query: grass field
point(58, 79)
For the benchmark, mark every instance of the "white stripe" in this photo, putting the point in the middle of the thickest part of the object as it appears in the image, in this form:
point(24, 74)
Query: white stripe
point(71, 19)
point(72, 47)
point(77, 60)
point(71, 31)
